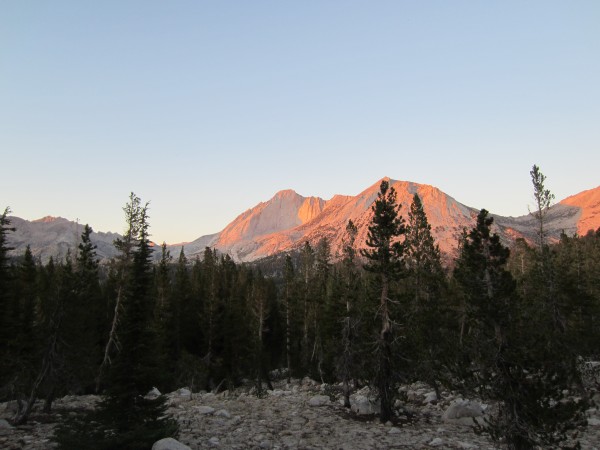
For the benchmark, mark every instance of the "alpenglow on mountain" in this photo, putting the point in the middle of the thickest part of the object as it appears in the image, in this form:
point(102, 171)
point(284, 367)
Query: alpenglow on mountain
point(288, 220)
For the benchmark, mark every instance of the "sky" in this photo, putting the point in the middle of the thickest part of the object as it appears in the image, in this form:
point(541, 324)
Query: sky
point(206, 108)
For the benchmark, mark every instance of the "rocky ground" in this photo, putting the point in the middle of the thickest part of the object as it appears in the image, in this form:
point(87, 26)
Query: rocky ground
point(299, 415)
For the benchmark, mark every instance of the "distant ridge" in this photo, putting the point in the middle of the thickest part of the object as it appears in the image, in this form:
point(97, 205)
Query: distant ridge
point(288, 220)
point(281, 230)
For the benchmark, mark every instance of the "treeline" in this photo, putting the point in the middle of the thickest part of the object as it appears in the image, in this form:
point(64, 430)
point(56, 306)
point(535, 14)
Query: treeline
point(511, 326)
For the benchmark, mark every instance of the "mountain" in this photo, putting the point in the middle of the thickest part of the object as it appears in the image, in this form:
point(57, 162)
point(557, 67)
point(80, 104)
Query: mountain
point(587, 204)
point(54, 236)
point(288, 220)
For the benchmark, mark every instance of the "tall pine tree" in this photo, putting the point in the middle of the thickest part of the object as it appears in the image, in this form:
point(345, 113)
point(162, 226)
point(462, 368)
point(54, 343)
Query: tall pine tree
point(126, 418)
point(385, 259)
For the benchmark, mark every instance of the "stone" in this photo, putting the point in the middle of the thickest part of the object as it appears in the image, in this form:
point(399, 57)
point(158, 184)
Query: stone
point(462, 408)
point(204, 409)
point(319, 400)
point(4, 425)
point(395, 430)
point(279, 393)
point(209, 396)
point(430, 397)
point(223, 413)
point(184, 392)
point(436, 442)
point(214, 441)
point(154, 393)
point(169, 444)
point(363, 404)
point(593, 422)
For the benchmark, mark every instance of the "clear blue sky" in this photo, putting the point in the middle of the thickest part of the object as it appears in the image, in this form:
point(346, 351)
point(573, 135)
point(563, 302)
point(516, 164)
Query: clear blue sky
point(205, 108)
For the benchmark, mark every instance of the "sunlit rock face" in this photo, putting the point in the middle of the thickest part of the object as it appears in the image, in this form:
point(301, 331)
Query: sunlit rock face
point(588, 204)
point(289, 220)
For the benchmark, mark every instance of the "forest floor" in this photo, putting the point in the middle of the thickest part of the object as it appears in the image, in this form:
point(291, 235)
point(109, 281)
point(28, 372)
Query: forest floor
point(298, 415)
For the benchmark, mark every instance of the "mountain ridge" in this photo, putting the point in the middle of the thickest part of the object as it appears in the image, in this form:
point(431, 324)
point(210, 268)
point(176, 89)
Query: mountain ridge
point(287, 220)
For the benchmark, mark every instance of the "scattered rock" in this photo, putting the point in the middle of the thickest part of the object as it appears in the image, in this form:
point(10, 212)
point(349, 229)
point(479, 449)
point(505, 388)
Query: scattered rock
point(242, 421)
point(279, 393)
point(430, 397)
point(169, 444)
point(319, 400)
point(222, 413)
point(593, 422)
point(463, 412)
point(154, 393)
point(436, 442)
point(204, 410)
point(364, 404)
point(184, 392)
point(4, 425)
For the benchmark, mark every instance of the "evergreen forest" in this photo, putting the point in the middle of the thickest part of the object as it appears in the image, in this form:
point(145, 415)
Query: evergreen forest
point(515, 325)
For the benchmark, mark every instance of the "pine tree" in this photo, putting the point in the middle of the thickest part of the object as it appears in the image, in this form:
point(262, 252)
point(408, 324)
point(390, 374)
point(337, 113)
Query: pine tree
point(306, 273)
point(126, 419)
point(425, 283)
point(8, 327)
point(211, 316)
point(122, 271)
point(385, 260)
point(82, 315)
point(288, 289)
point(546, 271)
point(260, 310)
point(26, 342)
point(350, 318)
point(322, 318)
point(543, 200)
point(506, 356)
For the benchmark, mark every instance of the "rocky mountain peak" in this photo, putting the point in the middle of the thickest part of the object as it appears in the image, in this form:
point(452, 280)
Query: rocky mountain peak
point(588, 203)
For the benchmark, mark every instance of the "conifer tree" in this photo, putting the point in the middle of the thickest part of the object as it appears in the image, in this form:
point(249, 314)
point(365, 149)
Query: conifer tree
point(322, 319)
point(122, 271)
point(211, 315)
point(425, 286)
point(8, 328)
point(81, 317)
point(260, 310)
point(306, 272)
point(507, 359)
point(543, 200)
point(347, 362)
point(126, 418)
point(288, 279)
point(385, 259)
point(26, 341)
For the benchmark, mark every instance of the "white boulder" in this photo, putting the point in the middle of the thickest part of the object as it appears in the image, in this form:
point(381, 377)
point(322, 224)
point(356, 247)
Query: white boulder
point(204, 410)
point(319, 400)
point(153, 394)
point(436, 442)
point(463, 412)
point(169, 444)
point(363, 403)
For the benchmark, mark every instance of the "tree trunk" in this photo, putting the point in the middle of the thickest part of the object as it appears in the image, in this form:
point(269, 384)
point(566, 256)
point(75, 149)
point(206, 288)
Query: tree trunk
point(385, 384)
